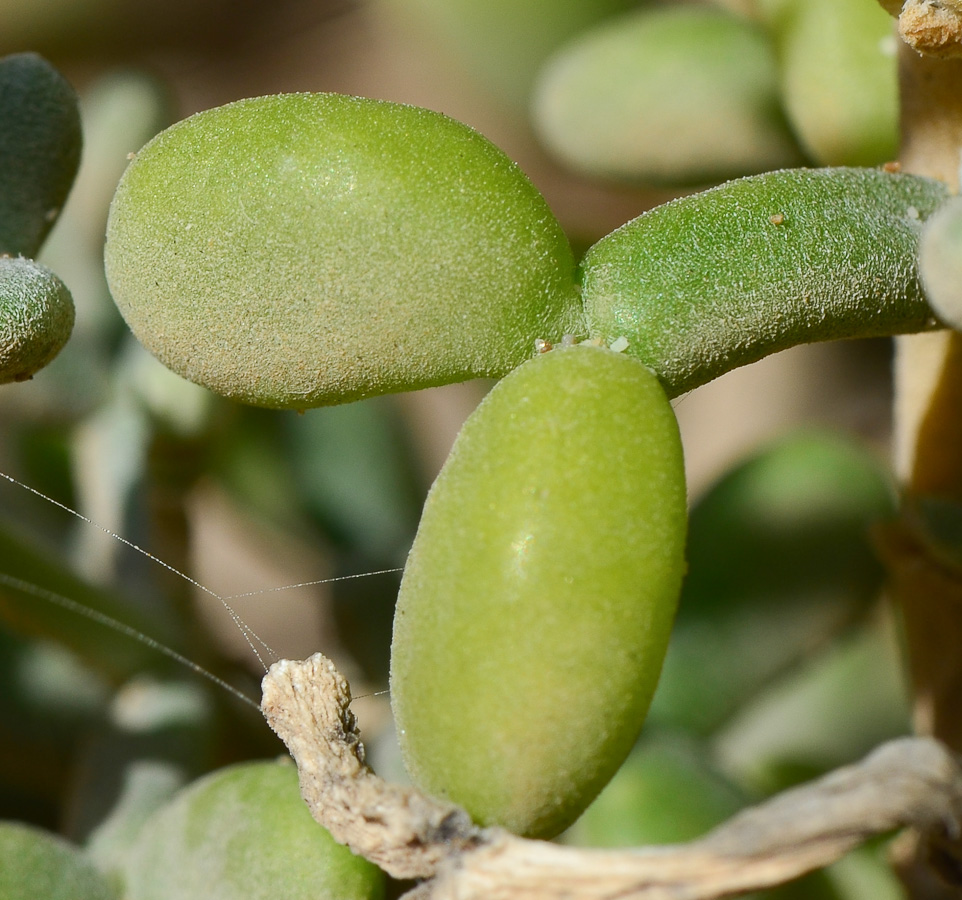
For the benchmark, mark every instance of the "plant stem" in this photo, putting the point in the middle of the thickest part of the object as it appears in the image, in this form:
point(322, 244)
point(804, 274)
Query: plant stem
point(928, 423)
point(911, 781)
point(928, 452)
point(931, 115)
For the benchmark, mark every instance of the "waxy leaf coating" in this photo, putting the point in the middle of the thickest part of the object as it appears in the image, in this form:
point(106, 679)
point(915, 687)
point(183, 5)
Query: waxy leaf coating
point(537, 600)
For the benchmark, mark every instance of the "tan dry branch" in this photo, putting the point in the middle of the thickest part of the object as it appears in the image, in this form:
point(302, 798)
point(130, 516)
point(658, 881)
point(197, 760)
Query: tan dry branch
point(928, 427)
point(912, 782)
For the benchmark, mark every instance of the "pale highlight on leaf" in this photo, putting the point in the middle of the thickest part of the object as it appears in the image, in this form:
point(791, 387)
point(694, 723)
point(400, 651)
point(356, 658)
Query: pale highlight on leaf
point(940, 261)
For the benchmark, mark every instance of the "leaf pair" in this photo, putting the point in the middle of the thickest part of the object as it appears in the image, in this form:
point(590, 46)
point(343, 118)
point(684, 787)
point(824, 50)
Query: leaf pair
point(303, 250)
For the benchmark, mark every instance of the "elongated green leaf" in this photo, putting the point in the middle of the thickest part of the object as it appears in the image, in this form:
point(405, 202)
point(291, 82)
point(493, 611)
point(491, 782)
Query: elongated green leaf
point(719, 279)
point(538, 596)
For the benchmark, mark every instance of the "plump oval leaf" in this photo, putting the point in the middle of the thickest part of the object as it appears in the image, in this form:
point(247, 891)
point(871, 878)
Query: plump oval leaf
point(244, 832)
point(716, 280)
point(36, 317)
point(40, 141)
point(683, 95)
point(307, 249)
point(538, 597)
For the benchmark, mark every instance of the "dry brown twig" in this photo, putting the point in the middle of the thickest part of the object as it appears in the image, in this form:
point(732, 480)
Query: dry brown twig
point(930, 27)
point(911, 782)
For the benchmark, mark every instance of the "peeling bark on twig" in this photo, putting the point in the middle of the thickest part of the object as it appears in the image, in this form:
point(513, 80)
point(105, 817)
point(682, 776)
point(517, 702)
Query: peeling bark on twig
point(405, 833)
point(912, 782)
point(932, 27)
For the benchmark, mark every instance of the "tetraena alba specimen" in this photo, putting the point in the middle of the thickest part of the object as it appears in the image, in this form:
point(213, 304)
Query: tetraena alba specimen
point(537, 600)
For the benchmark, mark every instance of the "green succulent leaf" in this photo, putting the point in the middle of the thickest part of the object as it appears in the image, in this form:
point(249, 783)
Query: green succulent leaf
point(307, 249)
point(537, 600)
point(40, 140)
point(716, 280)
point(685, 96)
point(36, 317)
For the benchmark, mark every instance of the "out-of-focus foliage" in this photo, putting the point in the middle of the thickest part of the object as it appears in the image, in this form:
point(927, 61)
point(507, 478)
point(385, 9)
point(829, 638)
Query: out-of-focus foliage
point(503, 42)
point(40, 142)
point(679, 95)
point(837, 71)
point(36, 864)
point(244, 832)
point(118, 29)
point(668, 791)
point(779, 559)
